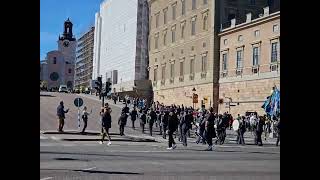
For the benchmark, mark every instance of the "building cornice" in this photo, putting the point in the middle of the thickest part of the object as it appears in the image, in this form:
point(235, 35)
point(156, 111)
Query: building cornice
point(250, 24)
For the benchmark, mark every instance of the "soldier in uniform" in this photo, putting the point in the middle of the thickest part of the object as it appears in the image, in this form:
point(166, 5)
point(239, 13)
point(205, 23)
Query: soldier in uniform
point(209, 129)
point(173, 123)
point(259, 131)
point(164, 122)
point(278, 132)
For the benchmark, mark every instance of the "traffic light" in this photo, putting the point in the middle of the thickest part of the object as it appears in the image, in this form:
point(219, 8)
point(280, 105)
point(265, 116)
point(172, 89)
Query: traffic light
point(108, 87)
point(99, 84)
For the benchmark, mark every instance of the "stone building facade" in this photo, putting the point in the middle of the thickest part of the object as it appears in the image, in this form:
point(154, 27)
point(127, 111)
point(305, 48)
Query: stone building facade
point(249, 62)
point(181, 55)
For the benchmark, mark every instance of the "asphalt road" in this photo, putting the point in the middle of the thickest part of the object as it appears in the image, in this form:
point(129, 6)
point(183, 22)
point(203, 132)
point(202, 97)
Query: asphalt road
point(143, 160)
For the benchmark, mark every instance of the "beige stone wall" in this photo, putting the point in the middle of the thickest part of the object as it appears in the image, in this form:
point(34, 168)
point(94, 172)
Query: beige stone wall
point(183, 95)
point(267, 36)
point(249, 94)
point(175, 89)
point(249, 90)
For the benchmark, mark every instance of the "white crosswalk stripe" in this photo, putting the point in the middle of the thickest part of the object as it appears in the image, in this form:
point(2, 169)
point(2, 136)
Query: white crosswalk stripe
point(43, 137)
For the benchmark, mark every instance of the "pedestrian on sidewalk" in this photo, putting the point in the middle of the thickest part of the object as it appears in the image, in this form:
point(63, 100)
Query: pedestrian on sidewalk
point(201, 129)
point(278, 132)
point(85, 115)
point(152, 118)
point(122, 122)
point(209, 129)
point(106, 123)
point(143, 119)
point(241, 130)
point(181, 122)
point(114, 98)
point(61, 116)
point(133, 114)
point(185, 126)
point(259, 131)
point(173, 123)
point(159, 119)
point(164, 122)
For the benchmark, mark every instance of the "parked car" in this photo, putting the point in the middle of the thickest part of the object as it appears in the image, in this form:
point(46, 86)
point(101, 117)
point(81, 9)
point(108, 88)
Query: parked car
point(77, 90)
point(87, 91)
point(63, 88)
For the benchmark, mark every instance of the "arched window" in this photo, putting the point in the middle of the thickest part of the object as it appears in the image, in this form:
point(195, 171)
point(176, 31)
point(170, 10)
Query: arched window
point(54, 60)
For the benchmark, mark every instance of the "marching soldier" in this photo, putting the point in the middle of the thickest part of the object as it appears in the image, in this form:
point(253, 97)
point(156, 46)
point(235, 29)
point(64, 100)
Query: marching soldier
point(173, 123)
point(209, 129)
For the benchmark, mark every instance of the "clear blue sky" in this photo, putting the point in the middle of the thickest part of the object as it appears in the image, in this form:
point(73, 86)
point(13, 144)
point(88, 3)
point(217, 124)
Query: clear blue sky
point(53, 13)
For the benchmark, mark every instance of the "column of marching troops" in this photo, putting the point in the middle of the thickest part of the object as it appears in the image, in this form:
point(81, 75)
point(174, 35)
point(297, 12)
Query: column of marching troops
point(175, 120)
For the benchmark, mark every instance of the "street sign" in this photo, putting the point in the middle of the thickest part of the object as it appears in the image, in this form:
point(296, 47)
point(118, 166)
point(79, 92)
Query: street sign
point(232, 105)
point(78, 102)
point(195, 98)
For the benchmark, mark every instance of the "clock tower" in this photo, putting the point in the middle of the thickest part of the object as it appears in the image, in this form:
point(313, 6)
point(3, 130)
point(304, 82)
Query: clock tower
point(67, 43)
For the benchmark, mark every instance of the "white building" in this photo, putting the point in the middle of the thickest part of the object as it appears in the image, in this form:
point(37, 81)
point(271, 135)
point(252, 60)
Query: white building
point(121, 45)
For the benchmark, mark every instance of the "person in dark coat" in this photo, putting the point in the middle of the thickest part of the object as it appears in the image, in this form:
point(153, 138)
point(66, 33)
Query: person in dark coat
point(153, 118)
point(259, 131)
point(143, 119)
point(122, 122)
point(134, 115)
point(106, 123)
point(278, 132)
point(164, 122)
point(173, 123)
point(209, 129)
point(242, 129)
point(185, 126)
point(201, 130)
point(61, 116)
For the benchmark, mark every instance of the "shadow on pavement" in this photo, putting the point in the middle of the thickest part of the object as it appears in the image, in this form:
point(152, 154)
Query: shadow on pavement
point(107, 172)
point(47, 95)
point(69, 159)
point(77, 133)
point(129, 139)
point(93, 171)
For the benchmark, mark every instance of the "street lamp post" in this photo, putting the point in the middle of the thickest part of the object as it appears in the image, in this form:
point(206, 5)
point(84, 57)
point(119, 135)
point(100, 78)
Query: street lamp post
point(230, 100)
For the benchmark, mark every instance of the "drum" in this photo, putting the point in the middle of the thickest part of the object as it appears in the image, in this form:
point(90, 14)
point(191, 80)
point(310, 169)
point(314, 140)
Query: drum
point(235, 125)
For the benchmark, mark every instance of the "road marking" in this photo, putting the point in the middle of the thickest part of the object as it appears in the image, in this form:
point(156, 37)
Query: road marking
point(43, 137)
point(46, 178)
point(89, 169)
point(244, 146)
point(140, 151)
point(55, 138)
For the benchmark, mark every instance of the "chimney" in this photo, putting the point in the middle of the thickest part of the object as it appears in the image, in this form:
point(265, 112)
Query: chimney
point(266, 11)
point(249, 17)
point(233, 22)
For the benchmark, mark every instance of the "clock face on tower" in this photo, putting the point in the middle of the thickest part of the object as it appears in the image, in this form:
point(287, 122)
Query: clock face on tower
point(66, 43)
